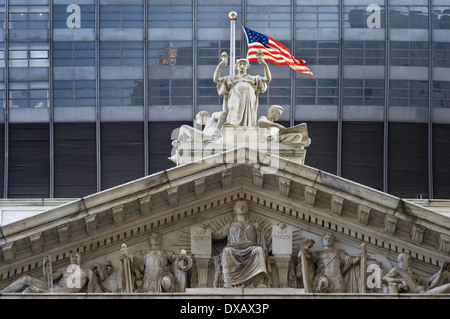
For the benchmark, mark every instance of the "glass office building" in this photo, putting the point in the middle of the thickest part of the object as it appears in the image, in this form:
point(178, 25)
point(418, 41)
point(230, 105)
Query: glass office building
point(91, 90)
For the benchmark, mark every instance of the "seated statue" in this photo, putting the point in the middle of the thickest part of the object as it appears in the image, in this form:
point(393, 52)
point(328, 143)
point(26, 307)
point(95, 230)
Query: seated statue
point(296, 135)
point(213, 123)
point(71, 279)
point(403, 279)
point(328, 271)
point(243, 259)
point(153, 269)
point(210, 133)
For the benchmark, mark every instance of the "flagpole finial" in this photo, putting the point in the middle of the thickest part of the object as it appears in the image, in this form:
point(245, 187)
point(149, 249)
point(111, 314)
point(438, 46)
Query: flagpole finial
point(232, 15)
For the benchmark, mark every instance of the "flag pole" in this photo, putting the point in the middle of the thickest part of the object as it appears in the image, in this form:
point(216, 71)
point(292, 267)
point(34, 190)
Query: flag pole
point(233, 16)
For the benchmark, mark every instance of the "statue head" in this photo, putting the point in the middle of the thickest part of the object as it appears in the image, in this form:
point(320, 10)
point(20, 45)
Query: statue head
point(275, 112)
point(404, 260)
point(328, 240)
point(240, 208)
point(75, 258)
point(155, 240)
point(242, 64)
point(103, 270)
point(201, 116)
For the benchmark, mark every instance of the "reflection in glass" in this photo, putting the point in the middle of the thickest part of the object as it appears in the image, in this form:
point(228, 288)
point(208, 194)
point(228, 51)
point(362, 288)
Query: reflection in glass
point(121, 16)
point(356, 16)
point(408, 93)
point(441, 94)
point(170, 92)
point(169, 16)
point(317, 16)
point(169, 53)
point(29, 95)
point(409, 53)
point(122, 93)
point(441, 17)
point(74, 93)
point(408, 17)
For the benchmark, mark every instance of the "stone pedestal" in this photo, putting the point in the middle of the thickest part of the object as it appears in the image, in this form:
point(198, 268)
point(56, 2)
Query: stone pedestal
point(201, 249)
point(282, 262)
point(282, 250)
point(252, 137)
point(202, 271)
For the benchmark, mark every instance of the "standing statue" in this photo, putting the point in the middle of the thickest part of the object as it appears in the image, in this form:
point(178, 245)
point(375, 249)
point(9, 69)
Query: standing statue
point(153, 269)
point(403, 279)
point(71, 279)
point(328, 271)
point(243, 260)
point(241, 91)
point(296, 135)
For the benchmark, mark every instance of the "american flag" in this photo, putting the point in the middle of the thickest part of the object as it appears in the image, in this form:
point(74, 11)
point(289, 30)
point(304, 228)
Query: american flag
point(273, 51)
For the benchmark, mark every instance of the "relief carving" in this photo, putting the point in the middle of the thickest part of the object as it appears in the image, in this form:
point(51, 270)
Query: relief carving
point(244, 259)
point(158, 270)
point(403, 279)
point(328, 271)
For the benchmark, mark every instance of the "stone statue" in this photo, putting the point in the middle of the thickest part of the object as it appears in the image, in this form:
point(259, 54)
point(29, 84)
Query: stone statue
point(211, 132)
point(329, 270)
point(107, 281)
point(71, 279)
point(296, 135)
point(241, 91)
point(243, 259)
point(152, 269)
point(403, 279)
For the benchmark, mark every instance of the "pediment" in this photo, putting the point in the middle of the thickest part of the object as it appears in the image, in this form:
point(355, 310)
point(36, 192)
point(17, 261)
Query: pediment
point(170, 202)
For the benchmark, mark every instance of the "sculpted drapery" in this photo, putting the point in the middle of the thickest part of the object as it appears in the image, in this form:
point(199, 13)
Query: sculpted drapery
point(241, 97)
point(241, 91)
point(243, 259)
point(329, 270)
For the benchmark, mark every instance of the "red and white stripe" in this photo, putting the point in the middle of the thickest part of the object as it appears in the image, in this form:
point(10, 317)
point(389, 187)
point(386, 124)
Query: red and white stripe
point(277, 53)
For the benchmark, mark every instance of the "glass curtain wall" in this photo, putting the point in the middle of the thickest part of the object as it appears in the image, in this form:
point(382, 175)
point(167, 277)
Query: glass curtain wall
point(119, 76)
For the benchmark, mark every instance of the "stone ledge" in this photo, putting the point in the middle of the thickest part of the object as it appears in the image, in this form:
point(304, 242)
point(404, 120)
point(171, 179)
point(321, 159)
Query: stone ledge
point(250, 294)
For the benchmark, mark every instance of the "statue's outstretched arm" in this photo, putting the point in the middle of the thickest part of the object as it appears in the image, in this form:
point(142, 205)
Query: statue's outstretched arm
point(223, 62)
point(267, 74)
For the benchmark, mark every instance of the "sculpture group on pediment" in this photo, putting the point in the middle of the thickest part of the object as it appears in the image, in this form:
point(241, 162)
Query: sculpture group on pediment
point(239, 249)
point(237, 121)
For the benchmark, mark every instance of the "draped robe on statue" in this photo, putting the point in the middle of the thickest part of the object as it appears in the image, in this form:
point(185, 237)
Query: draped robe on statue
point(241, 98)
point(336, 266)
point(243, 259)
point(150, 267)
